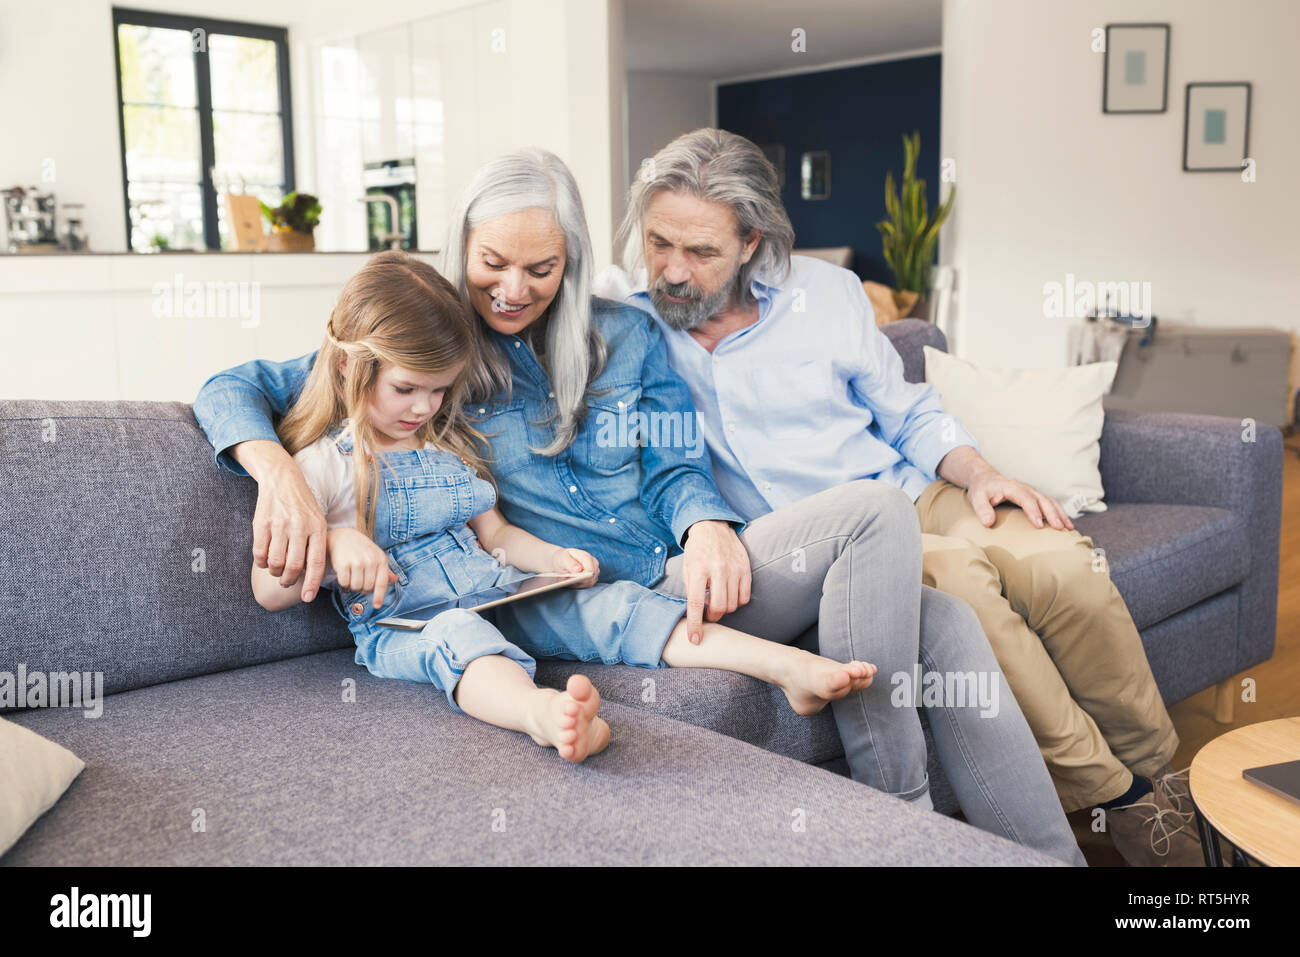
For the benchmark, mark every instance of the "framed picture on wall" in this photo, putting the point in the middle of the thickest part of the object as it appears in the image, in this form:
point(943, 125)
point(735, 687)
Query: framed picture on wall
point(1216, 127)
point(1135, 78)
point(815, 175)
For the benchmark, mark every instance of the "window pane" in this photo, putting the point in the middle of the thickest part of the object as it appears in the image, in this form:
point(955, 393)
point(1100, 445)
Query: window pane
point(173, 211)
point(244, 74)
point(157, 65)
point(162, 143)
point(248, 145)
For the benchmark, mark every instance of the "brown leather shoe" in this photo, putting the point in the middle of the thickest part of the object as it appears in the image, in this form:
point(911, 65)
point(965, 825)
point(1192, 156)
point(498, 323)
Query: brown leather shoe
point(1152, 832)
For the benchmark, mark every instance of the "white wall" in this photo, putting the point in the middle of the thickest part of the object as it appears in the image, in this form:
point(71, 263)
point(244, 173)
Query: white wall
point(661, 107)
point(1048, 185)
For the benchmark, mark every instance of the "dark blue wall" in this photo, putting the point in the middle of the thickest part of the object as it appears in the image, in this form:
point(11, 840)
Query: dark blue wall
point(858, 114)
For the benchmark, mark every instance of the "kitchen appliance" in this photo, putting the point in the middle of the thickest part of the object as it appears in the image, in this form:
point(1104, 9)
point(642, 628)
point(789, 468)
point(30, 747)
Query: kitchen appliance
point(396, 179)
point(29, 220)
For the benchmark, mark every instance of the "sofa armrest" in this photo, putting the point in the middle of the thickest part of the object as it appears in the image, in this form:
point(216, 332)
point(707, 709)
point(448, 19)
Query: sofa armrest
point(1178, 459)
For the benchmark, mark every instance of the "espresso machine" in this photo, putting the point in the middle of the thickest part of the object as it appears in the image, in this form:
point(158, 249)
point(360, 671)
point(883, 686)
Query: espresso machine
point(29, 220)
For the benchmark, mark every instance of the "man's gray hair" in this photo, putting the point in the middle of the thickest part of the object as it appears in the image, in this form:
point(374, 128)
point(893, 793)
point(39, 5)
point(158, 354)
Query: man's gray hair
point(723, 168)
point(575, 352)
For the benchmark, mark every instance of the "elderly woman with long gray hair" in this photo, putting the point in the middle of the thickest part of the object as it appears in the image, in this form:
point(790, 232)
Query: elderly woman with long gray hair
point(592, 441)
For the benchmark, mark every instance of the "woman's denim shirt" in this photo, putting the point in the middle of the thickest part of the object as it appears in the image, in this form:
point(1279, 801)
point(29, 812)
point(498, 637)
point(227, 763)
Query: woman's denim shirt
point(635, 478)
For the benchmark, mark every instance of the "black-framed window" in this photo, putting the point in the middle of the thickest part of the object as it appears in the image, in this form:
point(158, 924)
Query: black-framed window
point(203, 105)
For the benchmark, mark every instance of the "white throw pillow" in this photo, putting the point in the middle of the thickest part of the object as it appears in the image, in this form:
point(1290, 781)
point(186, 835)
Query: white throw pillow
point(34, 773)
point(1041, 426)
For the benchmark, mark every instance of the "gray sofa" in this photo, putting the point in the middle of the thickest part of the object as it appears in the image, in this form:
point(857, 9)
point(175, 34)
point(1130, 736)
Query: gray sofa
point(232, 736)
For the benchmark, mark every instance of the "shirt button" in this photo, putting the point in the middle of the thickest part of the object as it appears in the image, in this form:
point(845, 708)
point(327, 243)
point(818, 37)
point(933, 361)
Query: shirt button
point(621, 403)
point(357, 608)
point(482, 411)
point(550, 395)
point(731, 426)
point(767, 485)
point(612, 521)
point(518, 343)
point(658, 549)
point(573, 488)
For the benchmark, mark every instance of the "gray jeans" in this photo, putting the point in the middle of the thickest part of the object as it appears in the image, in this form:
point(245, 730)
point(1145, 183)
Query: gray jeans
point(847, 563)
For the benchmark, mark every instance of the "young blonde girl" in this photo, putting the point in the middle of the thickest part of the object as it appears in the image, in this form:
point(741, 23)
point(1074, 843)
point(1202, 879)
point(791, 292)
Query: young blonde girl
point(379, 434)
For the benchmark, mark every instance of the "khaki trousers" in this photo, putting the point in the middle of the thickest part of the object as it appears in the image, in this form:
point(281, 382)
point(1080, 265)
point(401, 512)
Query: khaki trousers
point(1062, 636)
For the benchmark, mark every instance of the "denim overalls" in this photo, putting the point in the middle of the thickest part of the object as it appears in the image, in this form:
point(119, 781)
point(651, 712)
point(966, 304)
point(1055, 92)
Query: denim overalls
point(425, 498)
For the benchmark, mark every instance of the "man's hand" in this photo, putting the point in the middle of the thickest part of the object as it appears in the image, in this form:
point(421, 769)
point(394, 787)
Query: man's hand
point(986, 487)
point(991, 488)
point(360, 564)
point(289, 530)
point(715, 560)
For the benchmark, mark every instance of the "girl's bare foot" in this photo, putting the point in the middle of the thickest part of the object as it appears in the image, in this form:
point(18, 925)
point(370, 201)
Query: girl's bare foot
point(566, 720)
point(812, 682)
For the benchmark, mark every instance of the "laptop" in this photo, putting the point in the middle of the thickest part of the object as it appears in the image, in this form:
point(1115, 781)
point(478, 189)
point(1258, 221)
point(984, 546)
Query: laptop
point(529, 586)
point(1282, 779)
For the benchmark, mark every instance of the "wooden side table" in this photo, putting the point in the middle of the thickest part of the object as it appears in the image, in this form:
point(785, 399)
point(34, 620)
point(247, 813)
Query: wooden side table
point(1260, 825)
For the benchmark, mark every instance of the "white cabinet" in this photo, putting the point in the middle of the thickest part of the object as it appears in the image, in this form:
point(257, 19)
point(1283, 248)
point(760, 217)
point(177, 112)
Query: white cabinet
point(387, 113)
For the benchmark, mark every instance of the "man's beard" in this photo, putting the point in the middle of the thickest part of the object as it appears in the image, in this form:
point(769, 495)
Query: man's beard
point(698, 307)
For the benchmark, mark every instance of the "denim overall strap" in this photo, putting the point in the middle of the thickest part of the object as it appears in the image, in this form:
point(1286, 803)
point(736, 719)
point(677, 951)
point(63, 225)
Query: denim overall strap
point(424, 492)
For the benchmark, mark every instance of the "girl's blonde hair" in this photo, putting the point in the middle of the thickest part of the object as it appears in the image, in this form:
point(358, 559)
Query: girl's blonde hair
point(396, 310)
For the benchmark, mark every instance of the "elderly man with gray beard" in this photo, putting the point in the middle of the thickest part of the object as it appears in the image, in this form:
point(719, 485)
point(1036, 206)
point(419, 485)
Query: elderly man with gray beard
point(798, 392)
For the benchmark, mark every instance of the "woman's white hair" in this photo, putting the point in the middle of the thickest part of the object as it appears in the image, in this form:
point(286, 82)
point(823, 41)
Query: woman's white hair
point(723, 168)
point(575, 352)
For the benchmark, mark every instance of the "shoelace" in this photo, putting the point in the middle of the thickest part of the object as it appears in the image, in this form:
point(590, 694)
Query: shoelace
point(1157, 822)
point(1176, 788)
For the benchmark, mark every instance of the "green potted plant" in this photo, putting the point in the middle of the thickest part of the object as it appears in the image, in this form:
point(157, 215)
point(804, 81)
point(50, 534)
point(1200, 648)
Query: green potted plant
point(909, 236)
point(292, 223)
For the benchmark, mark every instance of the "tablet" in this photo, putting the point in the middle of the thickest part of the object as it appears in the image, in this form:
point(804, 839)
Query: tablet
point(527, 587)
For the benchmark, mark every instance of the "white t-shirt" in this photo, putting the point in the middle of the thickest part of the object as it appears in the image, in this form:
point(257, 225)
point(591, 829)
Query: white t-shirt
point(331, 476)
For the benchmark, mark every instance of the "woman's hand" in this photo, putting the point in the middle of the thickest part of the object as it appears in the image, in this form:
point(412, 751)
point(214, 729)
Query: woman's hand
point(714, 559)
point(288, 526)
point(573, 560)
point(360, 564)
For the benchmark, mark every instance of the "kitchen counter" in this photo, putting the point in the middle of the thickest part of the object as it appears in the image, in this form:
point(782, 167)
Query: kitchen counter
point(156, 326)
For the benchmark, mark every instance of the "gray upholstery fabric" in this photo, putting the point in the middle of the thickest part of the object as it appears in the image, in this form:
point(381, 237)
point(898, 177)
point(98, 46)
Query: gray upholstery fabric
point(1164, 558)
point(723, 701)
point(100, 529)
point(737, 706)
point(1178, 459)
point(908, 336)
point(286, 772)
point(1194, 649)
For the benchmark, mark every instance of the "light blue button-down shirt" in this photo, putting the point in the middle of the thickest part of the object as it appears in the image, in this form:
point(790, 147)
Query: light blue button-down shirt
point(810, 396)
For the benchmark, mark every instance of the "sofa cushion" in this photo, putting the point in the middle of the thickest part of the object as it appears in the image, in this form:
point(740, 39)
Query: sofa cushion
point(739, 707)
point(127, 551)
point(1165, 558)
point(286, 770)
point(732, 704)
